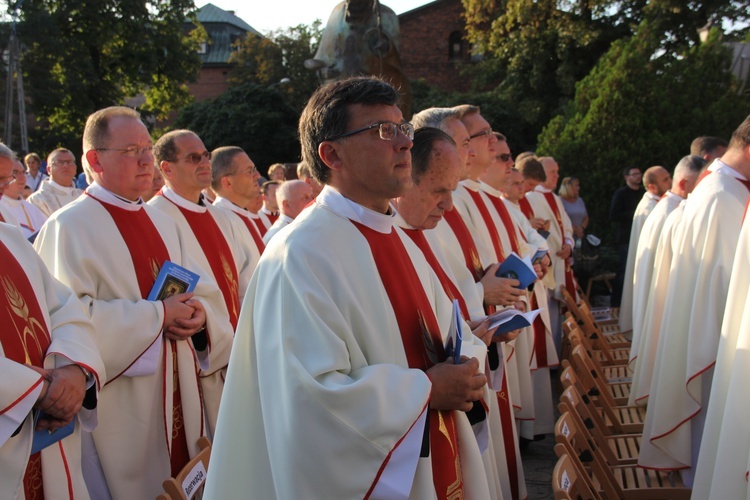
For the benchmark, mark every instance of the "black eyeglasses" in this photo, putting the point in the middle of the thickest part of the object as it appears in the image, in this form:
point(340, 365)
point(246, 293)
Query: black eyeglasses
point(487, 132)
point(388, 131)
point(505, 156)
point(196, 158)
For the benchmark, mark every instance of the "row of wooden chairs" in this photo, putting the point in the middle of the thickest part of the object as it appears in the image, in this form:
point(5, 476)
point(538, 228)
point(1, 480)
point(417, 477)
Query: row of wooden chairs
point(598, 435)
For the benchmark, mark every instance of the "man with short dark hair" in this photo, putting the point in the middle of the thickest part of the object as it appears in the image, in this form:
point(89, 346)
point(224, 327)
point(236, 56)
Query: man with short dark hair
point(621, 211)
point(270, 205)
point(709, 148)
point(348, 322)
point(215, 240)
point(59, 190)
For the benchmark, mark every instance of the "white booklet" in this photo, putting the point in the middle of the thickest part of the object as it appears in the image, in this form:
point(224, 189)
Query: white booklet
point(512, 319)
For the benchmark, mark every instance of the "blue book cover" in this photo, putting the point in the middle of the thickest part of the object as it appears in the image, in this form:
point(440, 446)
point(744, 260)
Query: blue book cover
point(172, 279)
point(538, 256)
point(455, 337)
point(44, 438)
point(514, 267)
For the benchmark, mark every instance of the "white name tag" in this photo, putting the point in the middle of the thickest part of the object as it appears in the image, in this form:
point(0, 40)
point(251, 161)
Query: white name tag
point(565, 481)
point(565, 430)
point(194, 480)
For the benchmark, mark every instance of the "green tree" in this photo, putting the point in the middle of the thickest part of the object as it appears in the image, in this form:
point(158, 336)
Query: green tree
point(280, 54)
point(81, 56)
point(639, 107)
point(251, 116)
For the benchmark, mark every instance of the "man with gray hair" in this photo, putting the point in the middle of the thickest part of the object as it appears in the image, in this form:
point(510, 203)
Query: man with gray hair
point(59, 190)
point(7, 157)
point(292, 197)
point(684, 180)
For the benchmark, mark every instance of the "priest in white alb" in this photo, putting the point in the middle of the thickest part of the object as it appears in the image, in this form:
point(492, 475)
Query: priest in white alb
point(292, 196)
point(29, 217)
point(49, 363)
point(336, 384)
point(706, 242)
point(684, 180)
point(657, 182)
point(150, 409)
point(216, 240)
point(59, 190)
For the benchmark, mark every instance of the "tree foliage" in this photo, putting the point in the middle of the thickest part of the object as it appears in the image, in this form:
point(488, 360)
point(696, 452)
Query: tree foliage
point(280, 54)
point(536, 50)
point(80, 56)
point(641, 106)
point(251, 116)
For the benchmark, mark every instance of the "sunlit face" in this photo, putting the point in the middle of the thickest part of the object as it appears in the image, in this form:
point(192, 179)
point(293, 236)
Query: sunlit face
point(156, 185)
point(183, 175)
point(663, 181)
point(551, 170)
point(369, 170)
point(269, 198)
point(243, 181)
point(530, 185)
point(125, 176)
point(33, 165)
point(484, 144)
point(6, 171)
point(498, 171)
point(466, 151)
point(300, 196)
point(15, 188)
point(424, 205)
point(278, 175)
point(514, 186)
point(62, 167)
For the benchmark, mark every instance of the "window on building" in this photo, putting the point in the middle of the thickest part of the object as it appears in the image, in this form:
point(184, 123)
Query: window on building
point(455, 46)
point(202, 48)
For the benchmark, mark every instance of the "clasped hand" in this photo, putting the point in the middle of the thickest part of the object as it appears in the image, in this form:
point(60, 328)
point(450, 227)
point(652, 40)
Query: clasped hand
point(184, 316)
point(456, 387)
point(61, 397)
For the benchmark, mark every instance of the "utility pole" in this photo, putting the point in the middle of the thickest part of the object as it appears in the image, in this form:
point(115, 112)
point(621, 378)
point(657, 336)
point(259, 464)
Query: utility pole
point(15, 77)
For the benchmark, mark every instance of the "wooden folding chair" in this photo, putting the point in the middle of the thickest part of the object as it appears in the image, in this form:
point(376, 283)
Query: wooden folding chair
point(608, 332)
point(617, 392)
point(623, 481)
point(568, 484)
point(619, 419)
point(619, 372)
point(191, 478)
point(618, 449)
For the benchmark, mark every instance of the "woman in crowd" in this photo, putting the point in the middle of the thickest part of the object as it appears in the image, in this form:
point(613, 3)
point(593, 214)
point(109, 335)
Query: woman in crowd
point(574, 206)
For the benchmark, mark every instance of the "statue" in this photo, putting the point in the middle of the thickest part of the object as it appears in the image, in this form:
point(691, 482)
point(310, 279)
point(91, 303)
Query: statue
point(362, 38)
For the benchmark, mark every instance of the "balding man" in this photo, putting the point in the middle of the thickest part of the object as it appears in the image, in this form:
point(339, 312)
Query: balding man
point(657, 182)
point(234, 178)
point(292, 197)
point(7, 177)
point(59, 190)
point(684, 181)
point(28, 216)
point(214, 239)
point(696, 298)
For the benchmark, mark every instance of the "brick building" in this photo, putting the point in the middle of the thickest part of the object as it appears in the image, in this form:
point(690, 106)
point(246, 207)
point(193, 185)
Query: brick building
point(433, 43)
point(224, 29)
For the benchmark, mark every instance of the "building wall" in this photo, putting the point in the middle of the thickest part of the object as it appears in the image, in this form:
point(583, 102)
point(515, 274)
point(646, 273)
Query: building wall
point(425, 43)
point(212, 82)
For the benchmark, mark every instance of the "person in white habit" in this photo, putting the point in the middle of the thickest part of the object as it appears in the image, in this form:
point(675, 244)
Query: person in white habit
point(292, 197)
point(59, 190)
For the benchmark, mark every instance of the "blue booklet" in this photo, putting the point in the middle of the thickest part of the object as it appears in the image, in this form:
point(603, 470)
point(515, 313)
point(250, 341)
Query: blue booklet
point(44, 438)
point(453, 343)
point(512, 319)
point(172, 279)
point(538, 256)
point(514, 267)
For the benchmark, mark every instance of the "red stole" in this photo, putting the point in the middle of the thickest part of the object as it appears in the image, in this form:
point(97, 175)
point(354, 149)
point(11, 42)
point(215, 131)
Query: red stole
point(272, 217)
point(148, 253)
point(25, 339)
point(423, 345)
point(466, 242)
point(417, 236)
point(262, 229)
point(540, 337)
point(507, 425)
point(487, 218)
point(254, 233)
point(510, 226)
point(526, 208)
point(1, 218)
point(570, 281)
point(219, 257)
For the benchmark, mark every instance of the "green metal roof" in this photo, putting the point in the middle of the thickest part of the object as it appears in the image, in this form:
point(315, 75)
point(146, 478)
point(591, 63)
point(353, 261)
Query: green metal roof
point(210, 13)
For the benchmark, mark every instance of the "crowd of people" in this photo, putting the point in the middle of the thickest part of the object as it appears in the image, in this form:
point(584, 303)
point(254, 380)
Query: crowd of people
point(314, 350)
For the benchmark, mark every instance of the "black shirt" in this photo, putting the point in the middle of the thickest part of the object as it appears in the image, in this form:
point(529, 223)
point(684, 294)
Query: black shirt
point(624, 202)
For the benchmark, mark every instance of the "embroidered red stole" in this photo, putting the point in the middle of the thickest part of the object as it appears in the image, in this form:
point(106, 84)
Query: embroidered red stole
point(423, 344)
point(506, 218)
point(487, 218)
point(254, 232)
point(25, 339)
point(262, 229)
point(526, 208)
point(570, 281)
point(219, 256)
point(466, 242)
point(417, 236)
point(148, 253)
point(507, 425)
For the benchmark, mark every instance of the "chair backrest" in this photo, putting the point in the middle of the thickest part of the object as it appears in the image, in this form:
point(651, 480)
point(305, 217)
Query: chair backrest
point(567, 482)
point(586, 410)
point(587, 452)
point(591, 376)
point(192, 477)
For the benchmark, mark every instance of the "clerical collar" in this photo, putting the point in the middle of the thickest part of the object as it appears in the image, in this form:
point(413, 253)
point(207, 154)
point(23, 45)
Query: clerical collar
point(670, 194)
point(542, 189)
point(720, 167)
point(102, 194)
point(178, 200)
point(470, 184)
point(53, 184)
point(489, 189)
point(12, 202)
point(653, 196)
point(340, 205)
